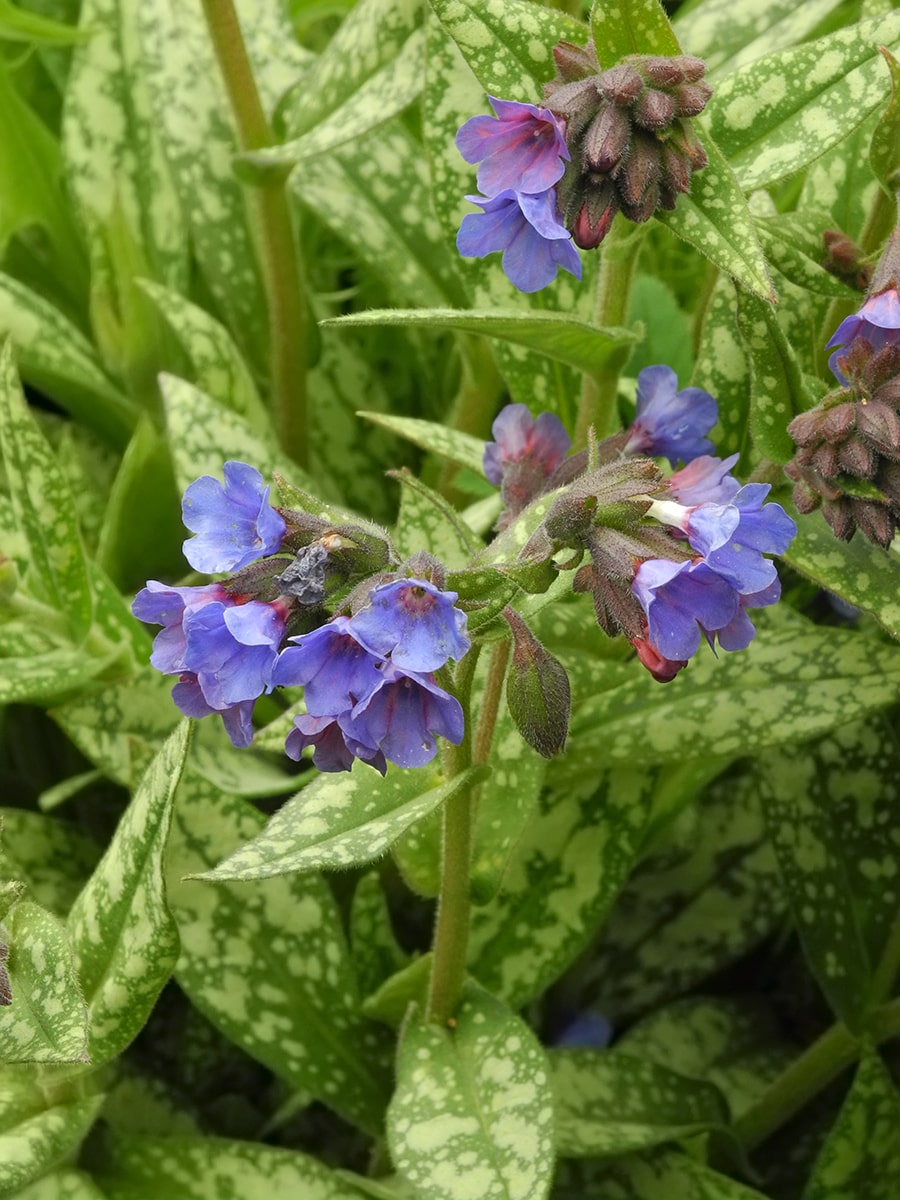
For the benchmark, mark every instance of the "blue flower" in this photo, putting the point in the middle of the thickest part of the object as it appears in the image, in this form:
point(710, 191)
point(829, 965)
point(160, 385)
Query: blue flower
point(333, 666)
point(739, 632)
point(541, 441)
point(528, 230)
point(333, 749)
point(413, 623)
point(670, 423)
point(705, 480)
point(402, 716)
point(681, 600)
point(877, 320)
point(234, 524)
point(521, 149)
point(734, 548)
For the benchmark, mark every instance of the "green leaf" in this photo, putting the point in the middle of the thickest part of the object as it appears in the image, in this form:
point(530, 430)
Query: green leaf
point(667, 332)
point(458, 447)
point(376, 951)
point(35, 1133)
point(722, 369)
point(707, 894)
point(884, 157)
point(409, 985)
point(30, 188)
point(727, 36)
point(636, 27)
point(19, 25)
point(610, 1102)
point(841, 182)
point(554, 334)
point(43, 506)
point(219, 369)
point(826, 811)
point(791, 684)
point(735, 1044)
point(194, 127)
point(63, 1184)
point(427, 522)
point(794, 246)
point(509, 47)
point(339, 821)
point(484, 1101)
point(716, 221)
point(267, 963)
point(371, 70)
point(657, 1174)
point(776, 385)
point(204, 434)
point(47, 1020)
point(566, 870)
point(52, 857)
point(776, 115)
point(141, 1168)
point(46, 678)
point(123, 937)
point(861, 1155)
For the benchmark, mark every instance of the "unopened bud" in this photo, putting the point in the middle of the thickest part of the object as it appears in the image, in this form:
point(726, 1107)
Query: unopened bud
point(537, 690)
point(606, 139)
point(843, 259)
point(575, 62)
point(858, 459)
point(839, 516)
point(838, 422)
point(691, 99)
point(639, 169)
point(654, 109)
point(825, 459)
point(806, 499)
point(805, 429)
point(880, 425)
point(676, 170)
point(595, 217)
point(621, 84)
point(875, 520)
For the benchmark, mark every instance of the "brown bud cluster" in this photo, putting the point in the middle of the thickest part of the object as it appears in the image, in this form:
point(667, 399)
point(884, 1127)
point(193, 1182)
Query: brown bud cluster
point(629, 134)
point(844, 260)
point(848, 449)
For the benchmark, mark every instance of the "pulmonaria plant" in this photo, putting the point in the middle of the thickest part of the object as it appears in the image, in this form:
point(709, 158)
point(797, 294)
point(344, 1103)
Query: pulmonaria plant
point(607, 141)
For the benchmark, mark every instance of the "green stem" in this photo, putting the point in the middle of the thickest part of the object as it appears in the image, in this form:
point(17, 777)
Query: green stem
point(617, 268)
point(451, 934)
point(274, 236)
point(490, 701)
point(825, 1059)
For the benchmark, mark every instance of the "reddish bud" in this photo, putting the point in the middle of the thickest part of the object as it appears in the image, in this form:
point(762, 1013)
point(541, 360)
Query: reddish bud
point(858, 459)
point(838, 422)
point(594, 218)
point(661, 668)
point(839, 516)
point(805, 429)
point(654, 109)
point(621, 84)
point(676, 169)
point(806, 499)
point(825, 459)
point(639, 169)
point(606, 139)
point(575, 62)
point(691, 98)
point(880, 425)
point(875, 520)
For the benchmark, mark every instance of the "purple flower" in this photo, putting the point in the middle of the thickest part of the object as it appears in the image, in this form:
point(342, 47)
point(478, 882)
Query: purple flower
point(680, 600)
point(403, 715)
point(528, 231)
point(160, 604)
point(334, 750)
point(877, 320)
point(521, 149)
point(705, 480)
point(671, 424)
point(734, 549)
point(333, 666)
point(739, 632)
point(413, 623)
point(234, 524)
point(540, 440)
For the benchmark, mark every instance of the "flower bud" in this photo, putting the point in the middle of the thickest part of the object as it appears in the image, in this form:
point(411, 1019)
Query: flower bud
point(575, 62)
point(654, 109)
point(858, 459)
point(606, 139)
point(622, 84)
point(879, 424)
point(839, 422)
point(690, 99)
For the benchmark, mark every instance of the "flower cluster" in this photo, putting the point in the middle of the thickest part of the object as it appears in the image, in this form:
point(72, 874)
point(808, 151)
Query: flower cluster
point(521, 153)
point(606, 141)
point(848, 446)
point(524, 457)
point(672, 561)
point(369, 685)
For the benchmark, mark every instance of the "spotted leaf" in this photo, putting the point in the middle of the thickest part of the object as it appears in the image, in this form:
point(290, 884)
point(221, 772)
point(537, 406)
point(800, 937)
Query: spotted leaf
point(620, 27)
point(53, 857)
point(777, 393)
point(477, 1094)
point(828, 813)
point(722, 369)
point(611, 1102)
point(267, 963)
point(123, 937)
point(427, 522)
point(35, 1133)
point(63, 1184)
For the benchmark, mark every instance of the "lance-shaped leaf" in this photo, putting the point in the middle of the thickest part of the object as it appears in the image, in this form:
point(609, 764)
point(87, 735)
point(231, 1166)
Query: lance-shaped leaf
point(794, 246)
point(36, 1133)
point(113, 157)
point(17, 25)
point(726, 35)
point(484, 1101)
point(777, 393)
point(537, 690)
point(639, 27)
point(55, 357)
point(124, 939)
point(53, 857)
point(861, 1154)
point(715, 220)
point(884, 155)
point(45, 678)
point(838, 869)
point(653, 1175)
point(858, 572)
point(198, 1168)
point(609, 1103)
point(508, 48)
point(427, 522)
point(461, 448)
point(565, 872)
point(341, 820)
point(376, 952)
point(559, 336)
point(47, 1020)
point(43, 506)
point(63, 1184)
point(267, 962)
point(776, 115)
point(722, 368)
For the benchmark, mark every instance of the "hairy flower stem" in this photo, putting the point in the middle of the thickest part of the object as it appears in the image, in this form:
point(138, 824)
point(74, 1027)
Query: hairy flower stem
point(490, 701)
point(451, 935)
point(807, 1075)
point(274, 235)
point(597, 405)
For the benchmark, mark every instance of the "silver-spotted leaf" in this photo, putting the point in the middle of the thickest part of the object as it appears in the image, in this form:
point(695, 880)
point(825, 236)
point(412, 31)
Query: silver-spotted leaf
point(622, 27)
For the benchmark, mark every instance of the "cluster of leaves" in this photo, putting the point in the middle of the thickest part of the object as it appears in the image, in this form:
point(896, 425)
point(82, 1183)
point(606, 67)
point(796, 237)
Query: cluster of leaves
point(207, 1005)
